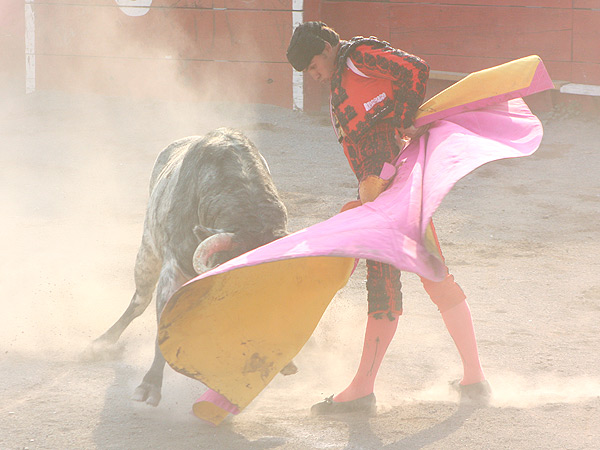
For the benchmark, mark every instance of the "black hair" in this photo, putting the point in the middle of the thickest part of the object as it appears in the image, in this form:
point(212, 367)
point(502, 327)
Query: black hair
point(308, 41)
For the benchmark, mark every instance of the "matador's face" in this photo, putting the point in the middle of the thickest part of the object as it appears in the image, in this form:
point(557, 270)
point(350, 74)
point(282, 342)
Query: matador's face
point(322, 66)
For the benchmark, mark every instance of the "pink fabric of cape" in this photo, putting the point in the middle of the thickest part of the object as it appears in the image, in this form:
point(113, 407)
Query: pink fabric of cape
point(540, 82)
point(391, 229)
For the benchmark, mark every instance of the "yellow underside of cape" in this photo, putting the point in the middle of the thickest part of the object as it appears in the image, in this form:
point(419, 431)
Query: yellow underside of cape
point(508, 77)
point(248, 323)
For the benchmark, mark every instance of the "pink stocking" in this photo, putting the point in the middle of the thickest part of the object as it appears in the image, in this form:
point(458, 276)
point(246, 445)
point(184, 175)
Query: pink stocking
point(451, 301)
point(219, 400)
point(460, 326)
point(213, 407)
point(378, 336)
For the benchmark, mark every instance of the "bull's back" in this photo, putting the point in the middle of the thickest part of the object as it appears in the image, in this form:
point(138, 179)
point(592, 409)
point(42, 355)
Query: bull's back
point(243, 197)
point(169, 160)
point(163, 182)
point(219, 181)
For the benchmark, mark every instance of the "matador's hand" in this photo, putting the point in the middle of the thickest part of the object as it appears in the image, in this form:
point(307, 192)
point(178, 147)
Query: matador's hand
point(405, 135)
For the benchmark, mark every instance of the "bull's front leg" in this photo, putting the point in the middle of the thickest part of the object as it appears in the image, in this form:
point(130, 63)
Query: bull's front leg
point(147, 271)
point(150, 389)
point(171, 279)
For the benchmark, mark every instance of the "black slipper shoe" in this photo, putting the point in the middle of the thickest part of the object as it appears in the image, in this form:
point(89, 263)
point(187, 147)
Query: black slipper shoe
point(364, 405)
point(479, 393)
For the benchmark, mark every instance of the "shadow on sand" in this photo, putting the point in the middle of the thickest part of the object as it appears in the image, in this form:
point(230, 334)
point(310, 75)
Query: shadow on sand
point(361, 436)
point(126, 424)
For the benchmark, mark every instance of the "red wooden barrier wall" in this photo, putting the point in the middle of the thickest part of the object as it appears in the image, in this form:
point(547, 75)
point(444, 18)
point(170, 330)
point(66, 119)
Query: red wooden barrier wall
point(468, 35)
point(12, 46)
point(234, 50)
point(221, 50)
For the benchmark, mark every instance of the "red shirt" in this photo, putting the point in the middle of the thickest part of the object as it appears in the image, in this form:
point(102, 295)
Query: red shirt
point(375, 89)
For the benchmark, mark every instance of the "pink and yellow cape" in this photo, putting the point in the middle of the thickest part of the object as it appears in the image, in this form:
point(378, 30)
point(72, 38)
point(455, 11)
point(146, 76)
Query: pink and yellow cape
point(235, 327)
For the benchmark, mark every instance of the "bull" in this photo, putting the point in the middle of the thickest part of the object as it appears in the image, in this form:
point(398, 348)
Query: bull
point(212, 198)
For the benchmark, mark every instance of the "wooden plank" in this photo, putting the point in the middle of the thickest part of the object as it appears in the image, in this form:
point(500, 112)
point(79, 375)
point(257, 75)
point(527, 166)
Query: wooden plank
point(586, 36)
point(586, 4)
point(98, 31)
point(167, 33)
point(502, 3)
point(252, 35)
point(585, 73)
point(285, 5)
point(267, 5)
point(523, 3)
point(487, 32)
point(312, 10)
point(351, 19)
point(466, 64)
point(152, 4)
point(175, 80)
point(12, 45)
point(558, 70)
point(268, 83)
point(446, 75)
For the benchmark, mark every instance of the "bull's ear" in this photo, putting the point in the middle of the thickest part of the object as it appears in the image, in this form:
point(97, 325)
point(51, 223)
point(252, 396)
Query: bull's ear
point(203, 232)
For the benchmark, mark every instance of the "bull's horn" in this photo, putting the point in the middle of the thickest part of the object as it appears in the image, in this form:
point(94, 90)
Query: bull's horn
point(208, 247)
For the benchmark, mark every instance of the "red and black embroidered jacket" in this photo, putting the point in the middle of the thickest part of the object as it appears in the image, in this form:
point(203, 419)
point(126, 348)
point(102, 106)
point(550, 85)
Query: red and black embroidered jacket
point(374, 83)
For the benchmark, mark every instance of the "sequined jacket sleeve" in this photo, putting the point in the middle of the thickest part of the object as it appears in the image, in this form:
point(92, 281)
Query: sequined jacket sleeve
point(408, 73)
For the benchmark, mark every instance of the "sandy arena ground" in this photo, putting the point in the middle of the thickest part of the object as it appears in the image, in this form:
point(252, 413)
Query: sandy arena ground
point(522, 238)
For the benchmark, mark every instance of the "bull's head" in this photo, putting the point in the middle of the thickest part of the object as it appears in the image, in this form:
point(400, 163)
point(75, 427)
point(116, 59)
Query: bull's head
point(212, 243)
point(218, 246)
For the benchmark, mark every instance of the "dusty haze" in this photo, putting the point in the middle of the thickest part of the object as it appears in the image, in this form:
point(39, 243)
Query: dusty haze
point(521, 237)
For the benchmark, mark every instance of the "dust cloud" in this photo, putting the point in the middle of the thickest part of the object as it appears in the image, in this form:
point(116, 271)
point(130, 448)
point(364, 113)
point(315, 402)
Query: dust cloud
point(511, 390)
point(74, 171)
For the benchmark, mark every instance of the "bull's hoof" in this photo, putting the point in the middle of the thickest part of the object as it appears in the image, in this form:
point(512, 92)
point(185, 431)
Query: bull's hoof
point(102, 350)
point(148, 393)
point(289, 369)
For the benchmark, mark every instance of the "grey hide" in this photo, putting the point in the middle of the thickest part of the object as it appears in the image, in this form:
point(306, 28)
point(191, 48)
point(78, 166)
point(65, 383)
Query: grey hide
point(199, 187)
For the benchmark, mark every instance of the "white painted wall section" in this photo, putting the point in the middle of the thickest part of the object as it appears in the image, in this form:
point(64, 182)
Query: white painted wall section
point(580, 89)
point(29, 47)
point(297, 77)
